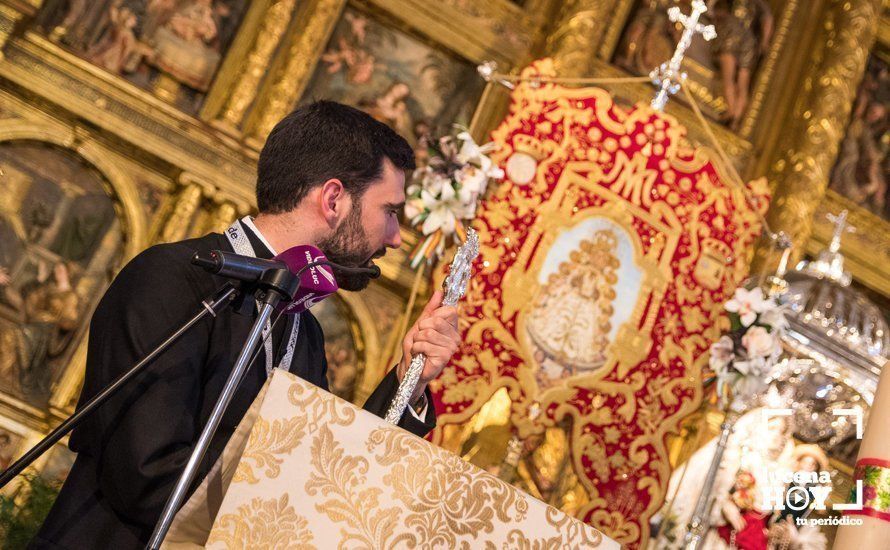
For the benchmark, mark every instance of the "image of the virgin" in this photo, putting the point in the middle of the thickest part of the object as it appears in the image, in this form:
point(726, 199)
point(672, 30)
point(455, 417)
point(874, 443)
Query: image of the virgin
point(586, 288)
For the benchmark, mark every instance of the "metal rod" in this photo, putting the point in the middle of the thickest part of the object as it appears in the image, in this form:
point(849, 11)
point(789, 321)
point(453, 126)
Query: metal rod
point(700, 521)
point(210, 306)
point(191, 468)
point(406, 389)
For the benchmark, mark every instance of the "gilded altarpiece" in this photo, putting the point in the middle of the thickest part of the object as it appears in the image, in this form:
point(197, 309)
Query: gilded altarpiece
point(859, 179)
point(175, 155)
point(606, 256)
point(162, 107)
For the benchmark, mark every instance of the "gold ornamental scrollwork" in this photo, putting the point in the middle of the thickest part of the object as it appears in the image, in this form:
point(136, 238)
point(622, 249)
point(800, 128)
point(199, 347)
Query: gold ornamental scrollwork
point(809, 151)
point(340, 478)
point(577, 34)
point(267, 441)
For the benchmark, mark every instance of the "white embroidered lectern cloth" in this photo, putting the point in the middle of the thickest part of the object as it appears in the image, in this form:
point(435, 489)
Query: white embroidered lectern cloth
point(306, 469)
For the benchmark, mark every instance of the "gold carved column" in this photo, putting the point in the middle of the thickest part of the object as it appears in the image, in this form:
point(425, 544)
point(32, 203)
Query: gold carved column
point(229, 109)
point(179, 216)
point(307, 37)
point(221, 216)
point(807, 153)
point(579, 28)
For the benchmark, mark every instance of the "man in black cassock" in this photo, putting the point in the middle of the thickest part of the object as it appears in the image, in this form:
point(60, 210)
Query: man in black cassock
point(329, 176)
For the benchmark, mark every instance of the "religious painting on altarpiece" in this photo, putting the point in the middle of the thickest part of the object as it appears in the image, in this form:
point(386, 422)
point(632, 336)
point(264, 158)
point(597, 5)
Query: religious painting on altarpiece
point(176, 45)
point(10, 443)
point(863, 165)
point(415, 88)
point(721, 72)
point(59, 241)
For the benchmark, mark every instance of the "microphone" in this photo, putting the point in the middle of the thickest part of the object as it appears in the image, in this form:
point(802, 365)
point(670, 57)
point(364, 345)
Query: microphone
point(235, 266)
point(307, 263)
point(250, 269)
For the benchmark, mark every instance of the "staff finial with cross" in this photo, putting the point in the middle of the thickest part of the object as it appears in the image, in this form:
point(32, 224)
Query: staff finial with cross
point(668, 76)
point(840, 227)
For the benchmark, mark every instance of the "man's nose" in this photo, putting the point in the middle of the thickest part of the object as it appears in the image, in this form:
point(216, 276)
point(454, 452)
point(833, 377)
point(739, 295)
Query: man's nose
point(395, 238)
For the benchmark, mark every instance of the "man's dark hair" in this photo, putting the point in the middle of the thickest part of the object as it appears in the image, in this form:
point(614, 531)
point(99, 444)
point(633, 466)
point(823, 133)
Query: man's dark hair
point(321, 141)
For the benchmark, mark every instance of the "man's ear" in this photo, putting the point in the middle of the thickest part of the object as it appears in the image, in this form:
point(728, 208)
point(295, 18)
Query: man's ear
point(334, 201)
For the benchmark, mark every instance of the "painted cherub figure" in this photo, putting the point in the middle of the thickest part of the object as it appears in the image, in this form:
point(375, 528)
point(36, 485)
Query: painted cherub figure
point(116, 50)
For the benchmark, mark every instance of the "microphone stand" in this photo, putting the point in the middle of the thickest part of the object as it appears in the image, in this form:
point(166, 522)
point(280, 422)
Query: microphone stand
point(274, 285)
point(211, 306)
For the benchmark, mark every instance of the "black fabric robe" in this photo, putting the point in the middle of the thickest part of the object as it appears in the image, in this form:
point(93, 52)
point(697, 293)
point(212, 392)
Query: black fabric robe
point(133, 448)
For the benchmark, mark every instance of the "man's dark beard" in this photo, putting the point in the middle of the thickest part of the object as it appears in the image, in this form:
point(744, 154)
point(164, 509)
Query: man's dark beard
point(349, 246)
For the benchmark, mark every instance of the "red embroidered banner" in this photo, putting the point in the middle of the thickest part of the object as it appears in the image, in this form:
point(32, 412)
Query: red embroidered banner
point(606, 255)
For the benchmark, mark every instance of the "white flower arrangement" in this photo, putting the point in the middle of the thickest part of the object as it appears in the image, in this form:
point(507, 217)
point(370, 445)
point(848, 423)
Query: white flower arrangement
point(743, 358)
point(444, 193)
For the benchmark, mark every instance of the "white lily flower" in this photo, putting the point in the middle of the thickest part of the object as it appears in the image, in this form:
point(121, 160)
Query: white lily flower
point(440, 217)
point(722, 353)
point(775, 318)
point(488, 147)
point(466, 195)
point(747, 304)
point(447, 192)
point(472, 178)
point(434, 183)
point(469, 151)
point(414, 208)
point(429, 200)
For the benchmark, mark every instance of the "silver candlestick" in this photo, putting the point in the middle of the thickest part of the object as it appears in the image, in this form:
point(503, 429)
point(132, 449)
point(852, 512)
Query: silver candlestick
point(455, 287)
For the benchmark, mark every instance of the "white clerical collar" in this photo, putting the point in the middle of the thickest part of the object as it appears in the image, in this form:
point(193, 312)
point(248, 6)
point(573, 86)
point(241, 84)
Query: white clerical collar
point(248, 221)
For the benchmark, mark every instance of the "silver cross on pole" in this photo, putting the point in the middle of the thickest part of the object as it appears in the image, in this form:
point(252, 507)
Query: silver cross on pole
point(840, 227)
point(668, 76)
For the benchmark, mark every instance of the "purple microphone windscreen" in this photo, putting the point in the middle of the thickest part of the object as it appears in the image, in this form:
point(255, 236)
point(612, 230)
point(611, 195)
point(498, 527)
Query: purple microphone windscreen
point(316, 283)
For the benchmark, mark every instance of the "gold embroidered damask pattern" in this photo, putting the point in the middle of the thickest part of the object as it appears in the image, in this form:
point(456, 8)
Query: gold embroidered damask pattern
point(266, 443)
point(570, 316)
point(317, 407)
point(271, 523)
point(570, 535)
point(446, 499)
point(357, 482)
point(340, 478)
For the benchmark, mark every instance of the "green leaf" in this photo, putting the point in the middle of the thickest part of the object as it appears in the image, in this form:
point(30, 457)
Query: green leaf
point(735, 322)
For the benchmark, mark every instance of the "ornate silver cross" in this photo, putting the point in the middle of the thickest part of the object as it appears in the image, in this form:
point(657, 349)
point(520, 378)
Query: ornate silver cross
point(455, 287)
point(668, 76)
point(840, 227)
